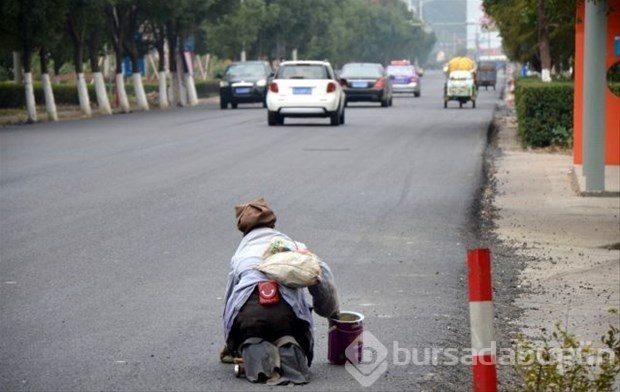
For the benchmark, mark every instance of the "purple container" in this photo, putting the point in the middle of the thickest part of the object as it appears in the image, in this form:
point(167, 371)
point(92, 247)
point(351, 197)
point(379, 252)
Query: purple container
point(344, 331)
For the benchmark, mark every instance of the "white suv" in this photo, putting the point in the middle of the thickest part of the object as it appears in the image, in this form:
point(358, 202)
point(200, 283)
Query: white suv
point(305, 89)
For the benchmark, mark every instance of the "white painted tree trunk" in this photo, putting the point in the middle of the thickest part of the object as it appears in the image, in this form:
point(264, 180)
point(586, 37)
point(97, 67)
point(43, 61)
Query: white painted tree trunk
point(138, 89)
point(545, 75)
point(121, 93)
point(50, 103)
point(175, 90)
point(83, 95)
point(102, 95)
point(192, 95)
point(31, 107)
point(182, 90)
point(163, 90)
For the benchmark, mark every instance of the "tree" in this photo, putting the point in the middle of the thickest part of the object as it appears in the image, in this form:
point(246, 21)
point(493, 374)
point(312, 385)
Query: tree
point(27, 26)
point(539, 32)
point(135, 47)
point(338, 30)
point(157, 14)
point(77, 27)
point(116, 18)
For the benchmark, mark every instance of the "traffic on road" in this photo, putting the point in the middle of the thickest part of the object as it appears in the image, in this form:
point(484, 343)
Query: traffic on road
point(118, 234)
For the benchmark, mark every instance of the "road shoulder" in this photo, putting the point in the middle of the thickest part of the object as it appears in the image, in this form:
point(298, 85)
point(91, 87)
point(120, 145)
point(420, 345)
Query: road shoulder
point(567, 245)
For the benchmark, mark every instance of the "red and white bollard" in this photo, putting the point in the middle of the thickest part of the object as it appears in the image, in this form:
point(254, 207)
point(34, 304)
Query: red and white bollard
point(481, 321)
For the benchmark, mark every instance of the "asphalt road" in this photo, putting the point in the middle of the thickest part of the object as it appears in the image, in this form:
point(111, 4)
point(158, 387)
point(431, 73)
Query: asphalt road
point(116, 235)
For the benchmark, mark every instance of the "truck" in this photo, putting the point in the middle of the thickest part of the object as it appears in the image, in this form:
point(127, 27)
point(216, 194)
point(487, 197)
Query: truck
point(487, 74)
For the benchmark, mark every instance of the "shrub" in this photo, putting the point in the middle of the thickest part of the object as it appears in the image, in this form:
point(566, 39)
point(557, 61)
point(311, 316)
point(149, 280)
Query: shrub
point(544, 112)
point(561, 363)
point(12, 95)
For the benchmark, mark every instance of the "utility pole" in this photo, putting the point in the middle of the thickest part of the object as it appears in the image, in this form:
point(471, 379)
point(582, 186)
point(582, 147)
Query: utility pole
point(594, 86)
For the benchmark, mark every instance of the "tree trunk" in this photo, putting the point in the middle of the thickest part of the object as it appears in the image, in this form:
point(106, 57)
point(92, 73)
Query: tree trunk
point(163, 90)
point(17, 68)
point(138, 88)
point(118, 35)
point(175, 85)
point(50, 103)
point(192, 95)
point(121, 92)
point(102, 96)
point(190, 86)
point(78, 61)
point(180, 81)
point(57, 67)
point(31, 106)
point(83, 94)
point(543, 41)
point(161, 69)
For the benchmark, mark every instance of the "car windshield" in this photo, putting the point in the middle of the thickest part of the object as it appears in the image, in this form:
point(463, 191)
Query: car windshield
point(246, 70)
point(303, 71)
point(401, 70)
point(361, 71)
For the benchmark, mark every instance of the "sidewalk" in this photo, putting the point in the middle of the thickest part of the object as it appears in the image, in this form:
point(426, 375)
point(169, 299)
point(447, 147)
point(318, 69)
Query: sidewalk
point(571, 243)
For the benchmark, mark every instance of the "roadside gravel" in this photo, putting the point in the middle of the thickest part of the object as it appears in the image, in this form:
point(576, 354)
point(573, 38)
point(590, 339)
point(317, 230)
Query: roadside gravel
point(556, 254)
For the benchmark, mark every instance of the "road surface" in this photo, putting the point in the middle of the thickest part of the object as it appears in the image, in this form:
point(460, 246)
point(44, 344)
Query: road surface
point(116, 235)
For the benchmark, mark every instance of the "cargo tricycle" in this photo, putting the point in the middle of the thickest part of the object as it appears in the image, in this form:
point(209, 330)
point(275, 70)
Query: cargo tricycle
point(460, 87)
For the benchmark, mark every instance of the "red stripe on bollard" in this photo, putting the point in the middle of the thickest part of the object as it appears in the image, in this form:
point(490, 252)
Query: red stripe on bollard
point(485, 376)
point(479, 263)
point(481, 320)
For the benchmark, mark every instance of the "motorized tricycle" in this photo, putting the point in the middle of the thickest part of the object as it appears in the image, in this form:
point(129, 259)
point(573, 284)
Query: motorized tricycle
point(460, 87)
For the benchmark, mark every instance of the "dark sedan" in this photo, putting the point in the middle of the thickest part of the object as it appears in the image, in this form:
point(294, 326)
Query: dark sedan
point(244, 82)
point(366, 82)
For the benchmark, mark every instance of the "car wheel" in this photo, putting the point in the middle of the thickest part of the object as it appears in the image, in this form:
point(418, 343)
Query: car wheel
point(334, 118)
point(473, 103)
point(223, 103)
point(342, 117)
point(391, 101)
point(272, 118)
point(385, 103)
point(417, 95)
point(445, 104)
point(234, 105)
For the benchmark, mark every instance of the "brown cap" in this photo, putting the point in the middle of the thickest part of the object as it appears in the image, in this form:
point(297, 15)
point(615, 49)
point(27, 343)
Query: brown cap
point(253, 215)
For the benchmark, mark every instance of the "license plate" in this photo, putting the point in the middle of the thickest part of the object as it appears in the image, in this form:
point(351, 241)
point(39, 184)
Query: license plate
point(358, 84)
point(243, 90)
point(302, 90)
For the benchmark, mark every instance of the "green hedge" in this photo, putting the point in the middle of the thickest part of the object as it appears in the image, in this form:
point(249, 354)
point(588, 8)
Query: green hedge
point(12, 95)
point(544, 112)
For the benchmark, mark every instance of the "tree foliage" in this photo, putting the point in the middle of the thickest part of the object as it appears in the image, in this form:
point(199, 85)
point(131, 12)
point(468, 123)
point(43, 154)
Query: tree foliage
point(338, 30)
point(517, 21)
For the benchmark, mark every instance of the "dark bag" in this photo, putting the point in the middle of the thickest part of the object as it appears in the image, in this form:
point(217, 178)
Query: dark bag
point(268, 293)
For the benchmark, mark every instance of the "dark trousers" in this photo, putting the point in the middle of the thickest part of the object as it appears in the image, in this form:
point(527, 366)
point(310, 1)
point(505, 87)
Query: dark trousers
point(269, 322)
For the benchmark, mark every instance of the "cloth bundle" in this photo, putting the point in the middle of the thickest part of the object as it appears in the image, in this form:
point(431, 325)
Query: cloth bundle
point(290, 266)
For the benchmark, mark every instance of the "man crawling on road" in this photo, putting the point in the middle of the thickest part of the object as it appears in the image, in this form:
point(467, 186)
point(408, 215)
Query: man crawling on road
point(268, 325)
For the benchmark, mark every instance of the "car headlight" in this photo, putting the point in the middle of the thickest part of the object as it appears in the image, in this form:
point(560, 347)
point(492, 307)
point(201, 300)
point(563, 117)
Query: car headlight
point(261, 83)
point(223, 83)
